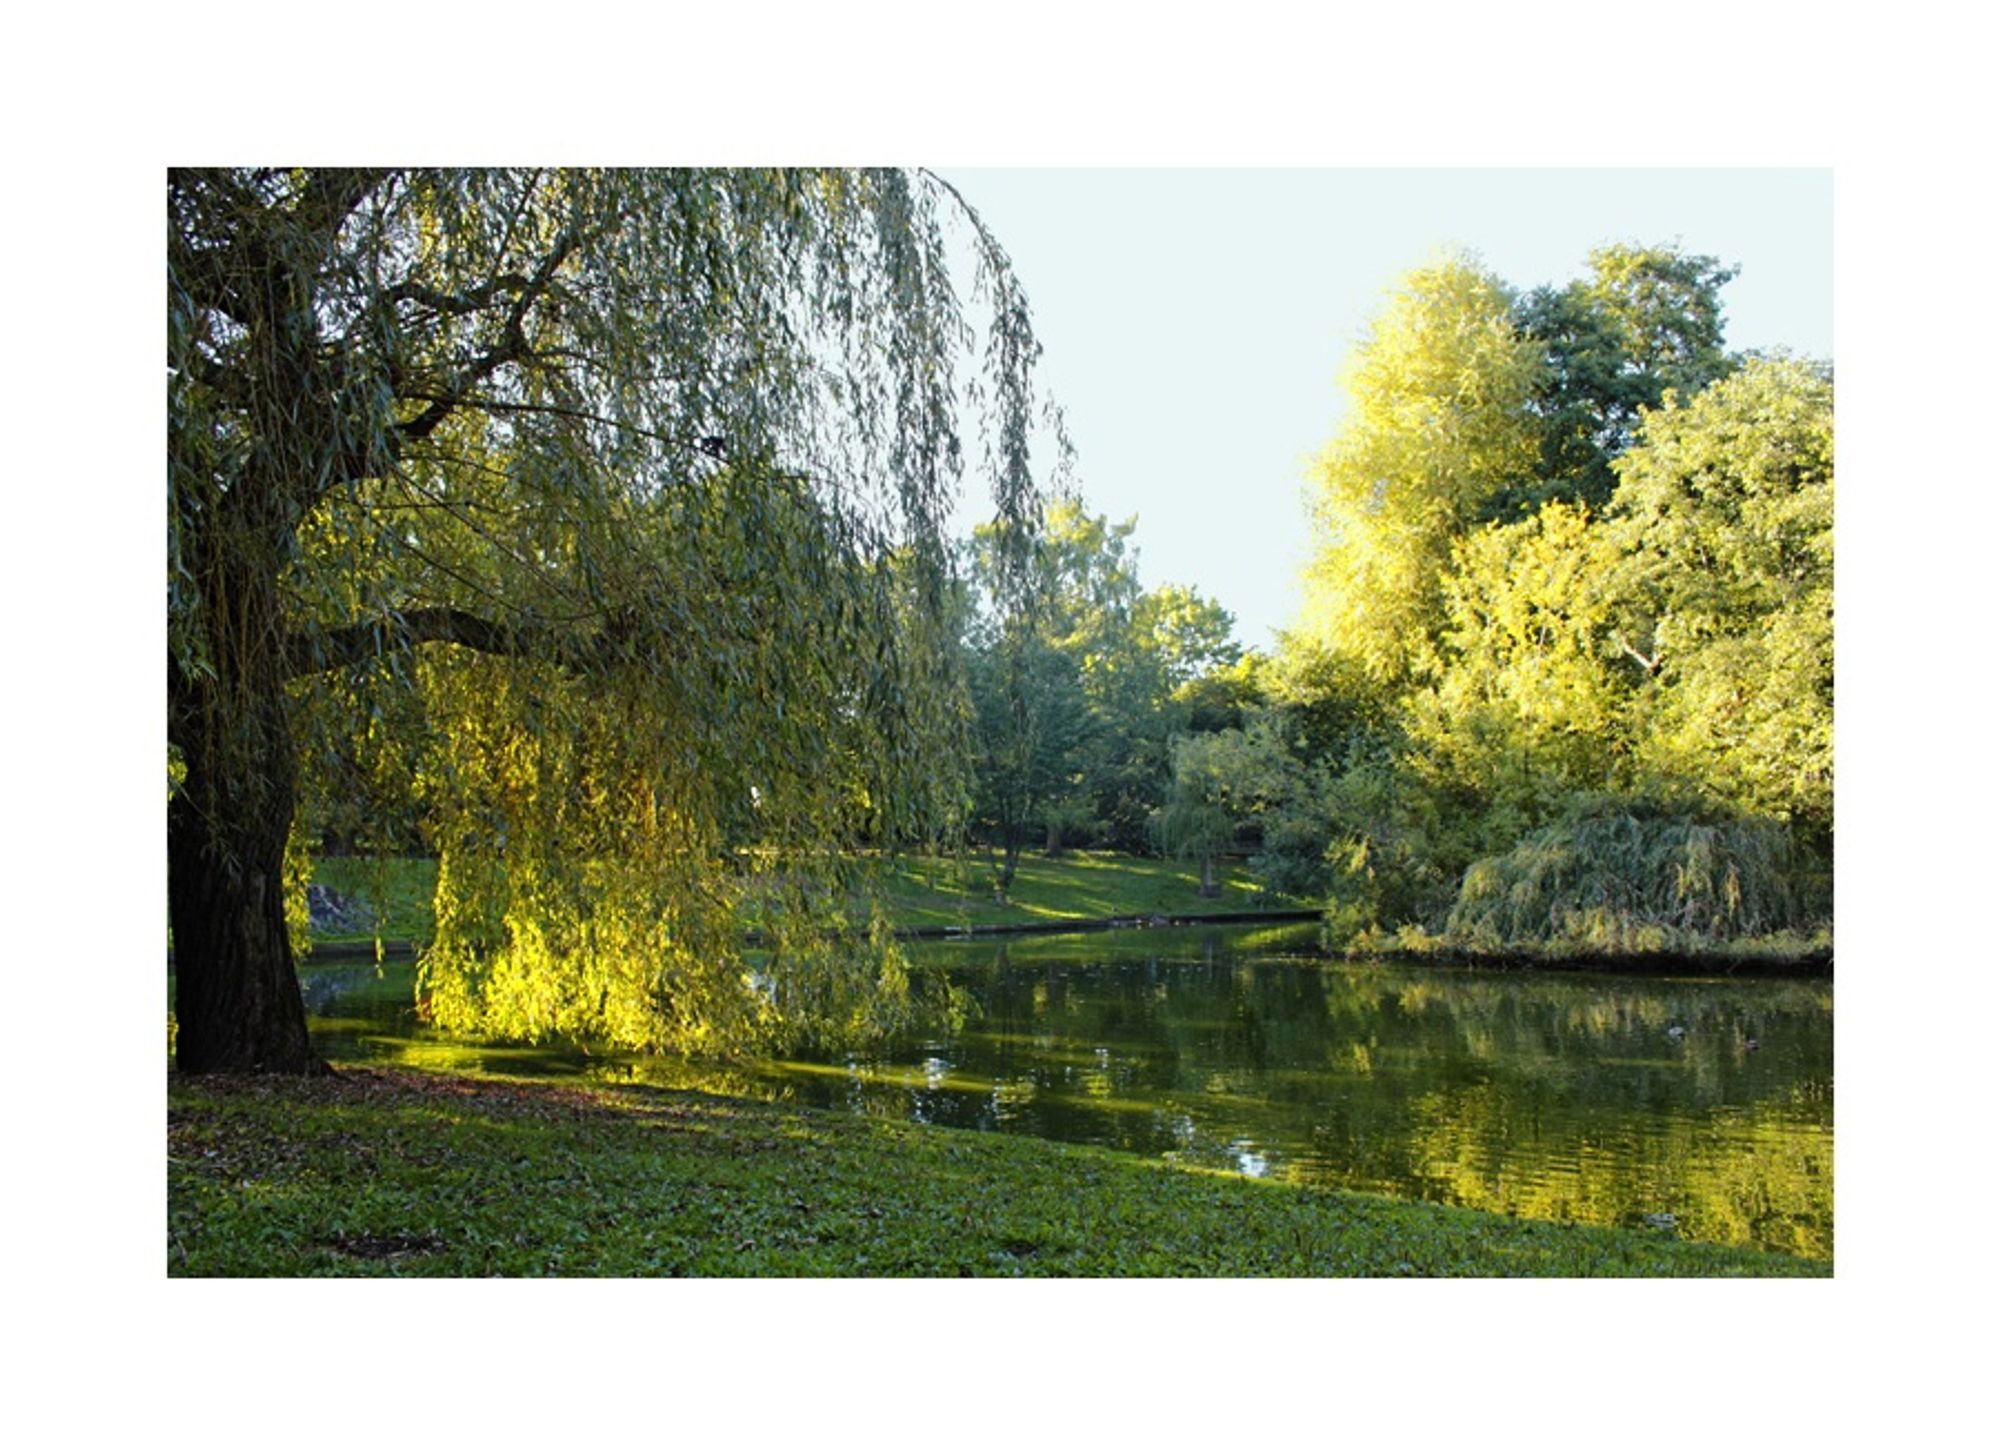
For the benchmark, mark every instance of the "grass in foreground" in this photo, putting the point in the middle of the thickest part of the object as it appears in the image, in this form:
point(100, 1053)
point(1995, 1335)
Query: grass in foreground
point(384, 1173)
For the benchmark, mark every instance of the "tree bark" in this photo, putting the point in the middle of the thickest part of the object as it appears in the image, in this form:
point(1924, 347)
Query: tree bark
point(1208, 874)
point(1010, 854)
point(237, 1002)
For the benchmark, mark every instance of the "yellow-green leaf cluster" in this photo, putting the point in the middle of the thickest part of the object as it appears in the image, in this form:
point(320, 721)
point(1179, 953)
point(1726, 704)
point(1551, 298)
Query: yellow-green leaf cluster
point(1437, 425)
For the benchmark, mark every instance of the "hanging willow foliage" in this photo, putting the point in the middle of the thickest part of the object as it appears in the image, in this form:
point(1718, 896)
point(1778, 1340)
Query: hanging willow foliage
point(593, 524)
point(1614, 881)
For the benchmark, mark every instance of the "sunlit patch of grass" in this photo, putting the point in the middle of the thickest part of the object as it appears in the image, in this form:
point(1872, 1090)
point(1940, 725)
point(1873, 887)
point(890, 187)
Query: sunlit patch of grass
point(390, 1173)
point(1079, 886)
point(920, 892)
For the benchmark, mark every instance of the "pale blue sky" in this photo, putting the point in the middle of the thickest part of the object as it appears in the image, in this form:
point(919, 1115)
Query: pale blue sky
point(1195, 321)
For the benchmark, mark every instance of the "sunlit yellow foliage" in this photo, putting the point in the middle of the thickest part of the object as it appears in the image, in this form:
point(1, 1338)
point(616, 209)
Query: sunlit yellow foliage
point(298, 873)
point(1437, 425)
point(1724, 518)
point(1524, 707)
point(587, 887)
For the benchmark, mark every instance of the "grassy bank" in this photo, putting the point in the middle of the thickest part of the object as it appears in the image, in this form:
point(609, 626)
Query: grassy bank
point(919, 892)
point(1077, 887)
point(931, 893)
point(386, 1173)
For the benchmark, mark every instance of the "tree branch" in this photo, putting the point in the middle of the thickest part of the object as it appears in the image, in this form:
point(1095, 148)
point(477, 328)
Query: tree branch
point(456, 304)
point(1651, 664)
point(360, 642)
point(330, 196)
point(513, 344)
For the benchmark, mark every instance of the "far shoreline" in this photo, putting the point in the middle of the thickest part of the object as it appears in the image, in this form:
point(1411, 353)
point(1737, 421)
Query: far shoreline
point(1814, 963)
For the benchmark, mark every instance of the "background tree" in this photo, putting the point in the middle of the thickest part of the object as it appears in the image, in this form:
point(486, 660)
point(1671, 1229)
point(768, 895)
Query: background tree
point(1646, 320)
point(1177, 639)
point(1031, 730)
point(1724, 525)
point(1226, 695)
point(1091, 591)
point(1077, 688)
point(1575, 595)
point(1438, 426)
point(1199, 817)
point(1257, 779)
point(1527, 702)
point(1633, 717)
point(608, 470)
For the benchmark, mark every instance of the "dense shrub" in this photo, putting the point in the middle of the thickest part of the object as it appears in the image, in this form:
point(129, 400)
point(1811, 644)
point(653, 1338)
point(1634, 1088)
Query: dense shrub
point(1620, 881)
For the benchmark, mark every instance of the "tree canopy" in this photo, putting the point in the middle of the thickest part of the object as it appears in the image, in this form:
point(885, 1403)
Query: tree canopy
point(1438, 426)
point(1723, 522)
point(1573, 602)
point(603, 510)
point(1645, 321)
point(1080, 683)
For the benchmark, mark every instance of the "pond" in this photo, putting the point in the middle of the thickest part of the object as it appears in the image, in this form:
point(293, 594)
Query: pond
point(1700, 1105)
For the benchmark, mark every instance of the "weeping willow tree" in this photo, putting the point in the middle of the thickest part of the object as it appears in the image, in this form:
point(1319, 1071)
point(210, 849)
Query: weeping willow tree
point(601, 511)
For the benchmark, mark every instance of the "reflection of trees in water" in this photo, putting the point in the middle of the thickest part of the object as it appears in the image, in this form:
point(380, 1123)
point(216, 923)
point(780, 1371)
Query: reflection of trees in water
point(1551, 1097)
point(1592, 1112)
point(1543, 1026)
point(1746, 1177)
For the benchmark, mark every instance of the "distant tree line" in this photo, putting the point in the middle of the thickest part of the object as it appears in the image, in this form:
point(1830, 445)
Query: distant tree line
point(1079, 688)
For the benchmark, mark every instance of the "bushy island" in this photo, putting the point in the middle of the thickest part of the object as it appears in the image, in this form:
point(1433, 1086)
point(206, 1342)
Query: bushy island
point(370, 1172)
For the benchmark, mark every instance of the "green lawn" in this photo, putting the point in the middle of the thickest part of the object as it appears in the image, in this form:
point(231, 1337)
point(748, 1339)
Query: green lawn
point(381, 1173)
point(1080, 886)
point(920, 892)
point(399, 889)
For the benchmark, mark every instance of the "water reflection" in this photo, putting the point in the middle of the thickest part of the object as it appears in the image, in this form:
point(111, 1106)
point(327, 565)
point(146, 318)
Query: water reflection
point(1608, 1100)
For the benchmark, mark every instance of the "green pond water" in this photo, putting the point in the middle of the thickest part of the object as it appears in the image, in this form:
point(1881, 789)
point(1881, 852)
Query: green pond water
point(1547, 1095)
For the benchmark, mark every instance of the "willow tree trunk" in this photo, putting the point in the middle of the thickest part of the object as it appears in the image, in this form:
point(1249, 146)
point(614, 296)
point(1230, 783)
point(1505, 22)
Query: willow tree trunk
point(237, 1007)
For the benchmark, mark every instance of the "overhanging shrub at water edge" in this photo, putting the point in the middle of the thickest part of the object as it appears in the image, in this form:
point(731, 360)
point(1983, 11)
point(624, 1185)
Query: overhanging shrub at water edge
point(1615, 882)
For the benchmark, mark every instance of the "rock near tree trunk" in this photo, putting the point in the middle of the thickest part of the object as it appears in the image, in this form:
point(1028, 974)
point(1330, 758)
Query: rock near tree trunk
point(333, 913)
